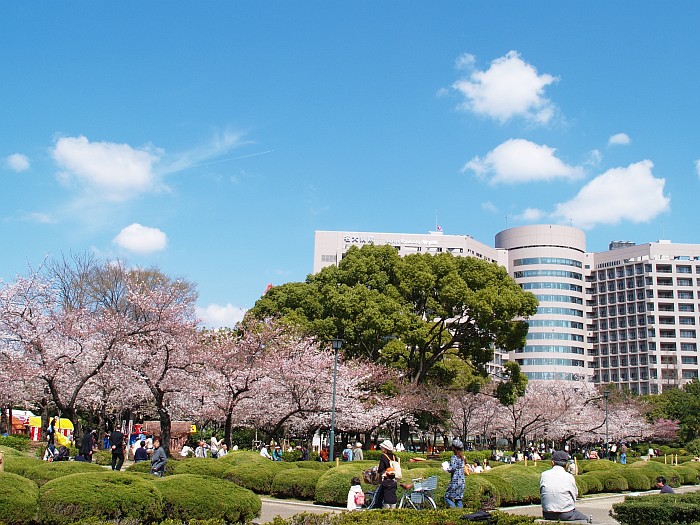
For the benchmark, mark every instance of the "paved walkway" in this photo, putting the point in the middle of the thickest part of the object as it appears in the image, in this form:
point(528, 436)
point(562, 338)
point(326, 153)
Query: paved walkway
point(596, 506)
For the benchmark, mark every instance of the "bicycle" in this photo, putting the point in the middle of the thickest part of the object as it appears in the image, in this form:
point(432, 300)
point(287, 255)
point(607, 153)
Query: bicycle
point(419, 495)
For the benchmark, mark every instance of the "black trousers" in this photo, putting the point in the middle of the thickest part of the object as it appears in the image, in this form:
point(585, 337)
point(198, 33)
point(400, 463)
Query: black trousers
point(117, 460)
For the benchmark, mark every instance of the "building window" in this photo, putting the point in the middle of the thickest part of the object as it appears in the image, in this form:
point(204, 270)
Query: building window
point(687, 333)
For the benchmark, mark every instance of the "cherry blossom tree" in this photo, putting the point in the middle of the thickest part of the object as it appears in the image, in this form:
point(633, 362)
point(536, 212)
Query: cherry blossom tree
point(163, 349)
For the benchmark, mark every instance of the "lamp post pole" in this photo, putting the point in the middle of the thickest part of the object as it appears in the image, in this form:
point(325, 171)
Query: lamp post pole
point(337, 345)
point(606, 393)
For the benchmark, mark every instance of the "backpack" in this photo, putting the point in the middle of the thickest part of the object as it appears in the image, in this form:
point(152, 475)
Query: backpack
point(360, 499)
point(346, 454)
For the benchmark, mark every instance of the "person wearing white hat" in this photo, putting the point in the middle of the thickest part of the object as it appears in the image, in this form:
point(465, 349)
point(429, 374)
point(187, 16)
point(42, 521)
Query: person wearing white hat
point(357, 454)
point(385, 460)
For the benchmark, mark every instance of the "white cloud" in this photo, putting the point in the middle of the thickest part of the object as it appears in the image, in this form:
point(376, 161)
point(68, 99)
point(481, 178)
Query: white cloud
point(116, 171)
point(595, 157)
point(465, 61)
point(489, 206)
point(531, 215)
point(619, 139)
point(17, 162)
point(218, 316)
point(697, 167)
point(509, 88)
point(40, 218)
point(631, 193)
point(141, 239)
point(519, 160)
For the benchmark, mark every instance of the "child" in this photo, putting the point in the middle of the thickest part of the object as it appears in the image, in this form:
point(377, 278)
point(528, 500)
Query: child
point(356, 498)
point(389, 489)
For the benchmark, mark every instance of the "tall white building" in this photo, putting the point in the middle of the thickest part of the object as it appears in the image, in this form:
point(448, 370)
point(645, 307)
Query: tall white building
point(626, 316)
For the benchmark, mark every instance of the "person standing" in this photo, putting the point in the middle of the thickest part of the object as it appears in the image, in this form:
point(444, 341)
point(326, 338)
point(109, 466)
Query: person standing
point(623, 454)
point(389, 489)
point(385, 460)
point(214, 445)
point(158, 460)
point(356, 498)
point(51, 431)
point(87, 445)
point(347, 453)
point(116, 438)
point(141, 453)
point(558, 491)
point(357, 454)
point(455, 490)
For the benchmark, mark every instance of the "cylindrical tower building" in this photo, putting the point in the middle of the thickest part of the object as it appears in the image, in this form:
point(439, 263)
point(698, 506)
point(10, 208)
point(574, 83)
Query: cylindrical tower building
point(548, 260)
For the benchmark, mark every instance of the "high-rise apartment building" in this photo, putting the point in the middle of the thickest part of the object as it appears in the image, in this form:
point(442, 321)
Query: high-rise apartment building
point(626, 316)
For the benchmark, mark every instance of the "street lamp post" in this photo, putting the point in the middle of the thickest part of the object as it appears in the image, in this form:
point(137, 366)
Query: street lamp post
point(606, 393)
point(337, 345)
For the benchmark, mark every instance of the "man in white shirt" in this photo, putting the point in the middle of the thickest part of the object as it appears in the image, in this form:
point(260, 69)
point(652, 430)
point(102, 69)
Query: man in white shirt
point(558, 491)
point(264, 452)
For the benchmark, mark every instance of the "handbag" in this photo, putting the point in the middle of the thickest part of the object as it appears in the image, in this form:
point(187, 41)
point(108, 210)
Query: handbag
point(396, 465)
point(372, 476)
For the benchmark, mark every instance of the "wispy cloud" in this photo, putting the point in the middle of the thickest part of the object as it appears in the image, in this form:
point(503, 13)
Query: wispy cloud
point(509, 88)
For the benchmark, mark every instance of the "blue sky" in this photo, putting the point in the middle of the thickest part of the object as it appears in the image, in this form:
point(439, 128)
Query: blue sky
point(212, 139)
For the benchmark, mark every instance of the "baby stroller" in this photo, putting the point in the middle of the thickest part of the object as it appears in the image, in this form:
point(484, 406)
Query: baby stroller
point(63, 454)
point(50, 453)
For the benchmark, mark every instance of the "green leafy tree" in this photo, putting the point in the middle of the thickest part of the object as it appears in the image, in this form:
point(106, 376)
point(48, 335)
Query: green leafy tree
point(414, 313)
point(679, 404)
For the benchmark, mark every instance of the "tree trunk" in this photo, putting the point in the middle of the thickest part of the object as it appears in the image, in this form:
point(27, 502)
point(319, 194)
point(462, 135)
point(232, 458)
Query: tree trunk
point(228, 430)
point(165, 425)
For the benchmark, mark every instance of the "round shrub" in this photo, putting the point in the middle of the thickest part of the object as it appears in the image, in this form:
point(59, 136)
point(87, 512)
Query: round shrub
point(44, 472)
point(144, 467)
point(104, 495)
point(188, 497)
point(256, 477)
point(652, 469)
point(522, 484)
point(296, 483)
point(594, 485)
point(198, 466)
point(582, 485)
point(314, 465)
point(10, 451)
point(688, 475)
point(595, 465)
point(636, 480)
point(19, 464)
point(102, 457)
point(430, 463)
point(612, 481)
point(479, 492)
point(19, 498)
point(18, 442)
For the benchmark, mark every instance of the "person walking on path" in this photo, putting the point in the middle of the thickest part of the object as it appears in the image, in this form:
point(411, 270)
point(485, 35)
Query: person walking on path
point(558, 491)
point(455, 490)
point(116, 438)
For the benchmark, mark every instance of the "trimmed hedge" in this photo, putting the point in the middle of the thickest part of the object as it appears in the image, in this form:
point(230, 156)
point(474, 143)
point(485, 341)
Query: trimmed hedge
point(257, 477)
point(19, 464)
point(144, 467)
point(104, 495)
point(520, 484)
point(188, 497)
point(658, 509)
point(636, 479)
point(198, 466)
point(400, 516)
point(44, 471)
point(19, 498)
point(296, 483)
point(20, 443)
